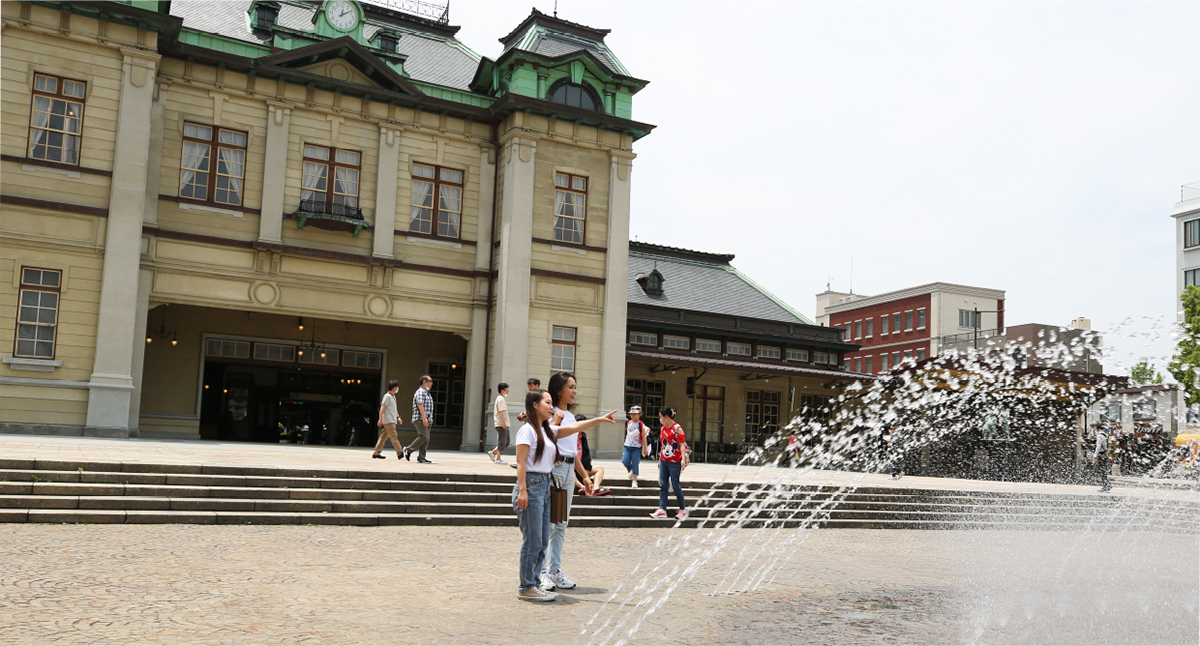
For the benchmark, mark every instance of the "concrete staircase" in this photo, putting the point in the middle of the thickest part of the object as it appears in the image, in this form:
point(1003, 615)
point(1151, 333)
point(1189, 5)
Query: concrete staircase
point(51, 491)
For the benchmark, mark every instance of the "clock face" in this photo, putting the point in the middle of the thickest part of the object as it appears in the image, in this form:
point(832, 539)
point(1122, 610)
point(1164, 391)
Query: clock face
point(342, 14)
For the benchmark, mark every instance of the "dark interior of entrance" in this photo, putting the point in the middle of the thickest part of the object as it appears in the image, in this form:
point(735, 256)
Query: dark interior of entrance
point(317, 405)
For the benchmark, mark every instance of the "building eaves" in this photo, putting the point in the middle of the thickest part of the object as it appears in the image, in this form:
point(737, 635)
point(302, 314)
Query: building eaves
point(920, 290)
point(645, 356)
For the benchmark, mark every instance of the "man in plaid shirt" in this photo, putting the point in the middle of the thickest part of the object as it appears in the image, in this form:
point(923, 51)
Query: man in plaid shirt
point(421, 416)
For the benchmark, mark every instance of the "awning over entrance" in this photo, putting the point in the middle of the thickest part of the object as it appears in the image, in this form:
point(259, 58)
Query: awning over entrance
point(783, 370)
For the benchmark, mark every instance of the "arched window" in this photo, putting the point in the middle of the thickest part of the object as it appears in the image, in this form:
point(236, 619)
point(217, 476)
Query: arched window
point(576, 96)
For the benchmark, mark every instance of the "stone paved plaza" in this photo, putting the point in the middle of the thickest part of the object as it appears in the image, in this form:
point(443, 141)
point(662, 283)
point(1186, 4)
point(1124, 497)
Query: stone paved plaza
point(183, 584)
point(191, 584)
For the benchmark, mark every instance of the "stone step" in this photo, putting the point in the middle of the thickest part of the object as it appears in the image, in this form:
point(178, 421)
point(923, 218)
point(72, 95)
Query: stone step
point(215, 475)
point(92, 516)
point(49, 503)
point(13, 481)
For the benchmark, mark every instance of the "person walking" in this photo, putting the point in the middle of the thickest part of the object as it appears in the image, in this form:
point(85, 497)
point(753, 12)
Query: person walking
point(672, 460)
point(422, 415)
point(562, 393)
point(389, 417)
point(500, 418)
point(1100, 457)
point(637, 444)
point(537, 454)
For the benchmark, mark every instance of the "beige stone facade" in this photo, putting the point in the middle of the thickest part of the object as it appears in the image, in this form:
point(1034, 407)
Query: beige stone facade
point(148, 276)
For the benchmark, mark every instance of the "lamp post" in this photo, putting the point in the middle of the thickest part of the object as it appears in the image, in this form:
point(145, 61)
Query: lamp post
point(977, 320)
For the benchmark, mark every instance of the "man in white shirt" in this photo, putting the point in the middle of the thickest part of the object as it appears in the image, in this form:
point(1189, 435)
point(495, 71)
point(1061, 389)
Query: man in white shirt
point(389, 416)
point(500, 417)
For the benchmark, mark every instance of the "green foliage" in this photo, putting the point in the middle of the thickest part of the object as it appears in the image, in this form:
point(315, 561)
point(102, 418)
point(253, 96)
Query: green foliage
point(1144, 374)
point(1187, 353)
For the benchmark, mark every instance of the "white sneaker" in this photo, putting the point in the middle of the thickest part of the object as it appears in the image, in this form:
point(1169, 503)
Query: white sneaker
point(499, 461)
point(634, 484)
point(546, 582)
point(560, 580)
point(492, 456)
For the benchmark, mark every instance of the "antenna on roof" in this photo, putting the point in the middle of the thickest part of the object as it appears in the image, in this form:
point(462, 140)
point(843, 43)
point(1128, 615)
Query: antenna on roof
point(828, 284)
point(851, 274)
point(555, 8)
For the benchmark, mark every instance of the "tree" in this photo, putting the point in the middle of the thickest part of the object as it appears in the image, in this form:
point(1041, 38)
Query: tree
point(1144, 374)
point(1186, 361)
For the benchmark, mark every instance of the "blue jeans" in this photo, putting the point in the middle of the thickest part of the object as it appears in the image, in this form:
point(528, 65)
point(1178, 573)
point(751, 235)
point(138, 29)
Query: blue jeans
point(632, 458)
point(564, 473)
point(534, 521)
point(669, 471)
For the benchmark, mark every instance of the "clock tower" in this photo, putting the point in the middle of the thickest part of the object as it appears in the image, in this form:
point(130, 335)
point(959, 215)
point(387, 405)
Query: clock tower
point(338, 18)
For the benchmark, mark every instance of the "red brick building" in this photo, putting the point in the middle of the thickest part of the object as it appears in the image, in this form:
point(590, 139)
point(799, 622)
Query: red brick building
point(910, 323)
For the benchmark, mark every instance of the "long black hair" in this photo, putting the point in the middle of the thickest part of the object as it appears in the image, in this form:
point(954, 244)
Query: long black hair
point(531, 399)
point(558, 381)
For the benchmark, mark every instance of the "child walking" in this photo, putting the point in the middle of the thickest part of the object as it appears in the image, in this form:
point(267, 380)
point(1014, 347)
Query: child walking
point(636, 445)
point(672, 460)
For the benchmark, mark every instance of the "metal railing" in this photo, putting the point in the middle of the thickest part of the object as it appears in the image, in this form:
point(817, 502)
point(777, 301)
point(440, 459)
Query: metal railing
point(1189, 191)
point(433, 11)
point(321, 207)
point(970, 336)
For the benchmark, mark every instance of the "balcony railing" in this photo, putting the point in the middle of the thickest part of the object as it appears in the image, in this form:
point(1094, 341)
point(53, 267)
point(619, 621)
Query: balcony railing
point(330, 216)
point(970, 336)
point(1189, 191)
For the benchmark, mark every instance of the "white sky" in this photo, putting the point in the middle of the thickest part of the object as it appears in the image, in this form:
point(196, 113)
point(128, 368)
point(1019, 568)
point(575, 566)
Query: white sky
point(1031, 147)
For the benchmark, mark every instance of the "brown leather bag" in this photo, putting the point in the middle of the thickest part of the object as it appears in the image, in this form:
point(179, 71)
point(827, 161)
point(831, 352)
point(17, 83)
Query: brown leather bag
point(558, 505)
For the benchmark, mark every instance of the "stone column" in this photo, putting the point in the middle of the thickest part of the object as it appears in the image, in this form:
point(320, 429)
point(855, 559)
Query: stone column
point(511, 332)
point(616, 277)
point(145, 276)
point(270, 223)
point(478, 421)
point(111, 384)
point(385, 191)
point(158, 114)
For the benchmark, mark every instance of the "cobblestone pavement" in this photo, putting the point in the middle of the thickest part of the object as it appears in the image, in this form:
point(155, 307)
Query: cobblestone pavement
point(328, 457)
point(186, 584)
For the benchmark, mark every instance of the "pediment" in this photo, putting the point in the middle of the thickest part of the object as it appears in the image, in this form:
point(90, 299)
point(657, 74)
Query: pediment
point(339, 70)
point(342, 57)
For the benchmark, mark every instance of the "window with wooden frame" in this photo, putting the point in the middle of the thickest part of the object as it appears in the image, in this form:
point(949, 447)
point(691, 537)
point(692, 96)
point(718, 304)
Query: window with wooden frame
point(650, 395)
point(570, 207)
point(642, 338)
point(896, 323)
point(921, 319)
point(676, 342)
point(320, 195)
point(883, 358)
point(768, 352)
point(37, 315)
point(196, 179)
point(870, 328)
point(797, 355)
point(562, 349)
point(883, 325)
point(56, 119)
point(740, 349)
point(762, 415)
point(908, 320)
point(858, 329)
point(821, 357)
point(436, 197)
point(449, 394)
point(708, 345)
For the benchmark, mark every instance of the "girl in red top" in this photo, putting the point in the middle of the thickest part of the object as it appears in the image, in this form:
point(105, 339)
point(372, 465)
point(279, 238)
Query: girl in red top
point(672, 460)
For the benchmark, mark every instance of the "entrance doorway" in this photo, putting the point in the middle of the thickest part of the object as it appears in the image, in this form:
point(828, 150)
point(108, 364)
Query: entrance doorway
point(256, 391)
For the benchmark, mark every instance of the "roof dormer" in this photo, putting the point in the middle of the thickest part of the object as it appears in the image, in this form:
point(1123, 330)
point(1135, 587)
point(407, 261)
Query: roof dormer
point(652, 283)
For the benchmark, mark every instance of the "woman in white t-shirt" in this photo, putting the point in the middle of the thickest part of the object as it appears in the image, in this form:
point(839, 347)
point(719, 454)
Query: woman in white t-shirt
point(537, 453)
point(636, 446)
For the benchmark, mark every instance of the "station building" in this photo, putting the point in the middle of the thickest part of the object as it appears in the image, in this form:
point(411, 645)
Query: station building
point(224, 219)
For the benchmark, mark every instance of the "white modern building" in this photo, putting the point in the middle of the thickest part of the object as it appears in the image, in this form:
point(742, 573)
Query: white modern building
point(1187, 240)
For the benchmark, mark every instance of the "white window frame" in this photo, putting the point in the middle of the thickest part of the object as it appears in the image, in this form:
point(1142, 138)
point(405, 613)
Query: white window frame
point(777, 353)
point(562, 348)
point(667, 338)
point(794, 354)
point(921, 318)
point(643, 338)
point(700, 342)
point(730, 345)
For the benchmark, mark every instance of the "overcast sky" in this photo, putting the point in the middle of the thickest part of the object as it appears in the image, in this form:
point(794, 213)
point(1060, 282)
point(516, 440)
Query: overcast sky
point(1032, 147)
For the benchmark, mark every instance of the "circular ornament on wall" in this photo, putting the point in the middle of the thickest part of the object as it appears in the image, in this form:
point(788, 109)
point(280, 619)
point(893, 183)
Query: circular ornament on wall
point(338, 71)
point(265, 293)
point(377, 306)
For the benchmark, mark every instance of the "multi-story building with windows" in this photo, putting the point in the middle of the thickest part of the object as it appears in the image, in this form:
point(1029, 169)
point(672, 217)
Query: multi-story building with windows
point(220, 218)
point(909, 323)
point(1187, 240)
point(734, 360)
